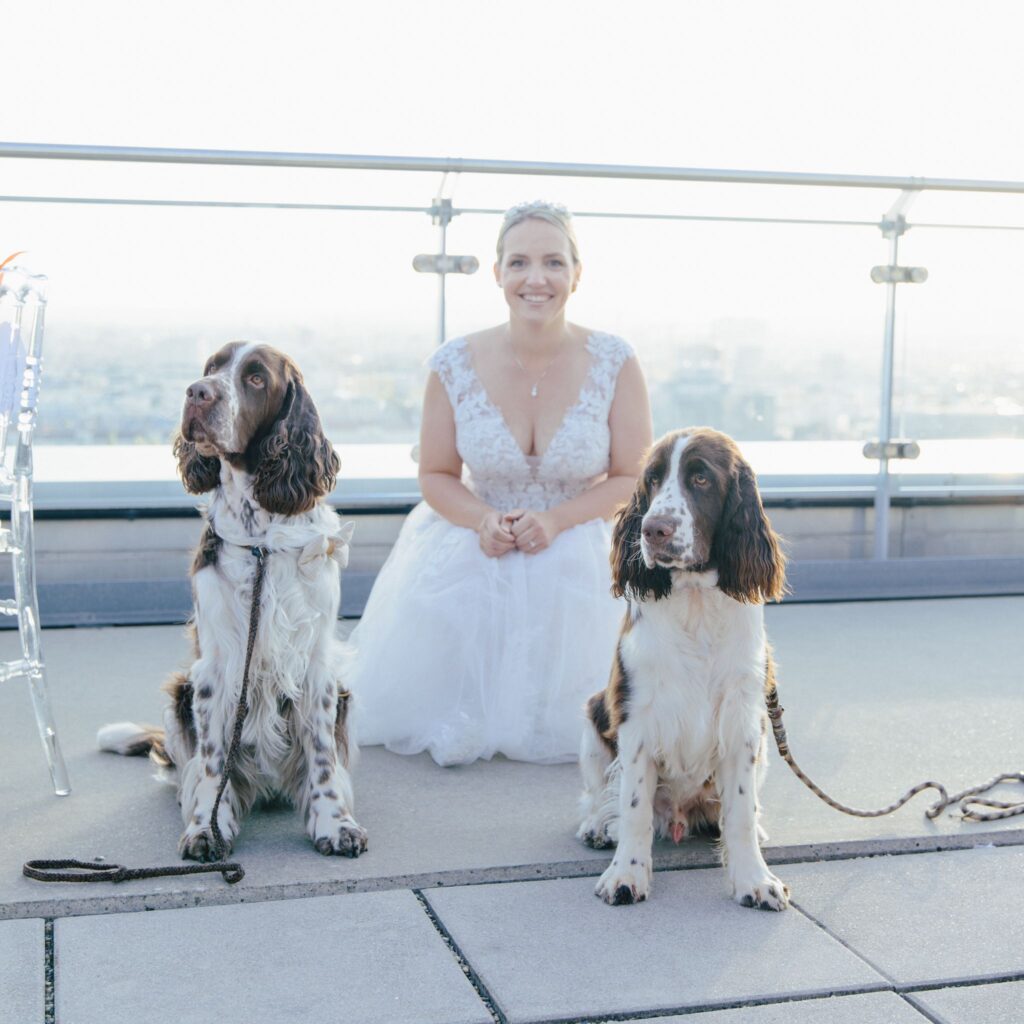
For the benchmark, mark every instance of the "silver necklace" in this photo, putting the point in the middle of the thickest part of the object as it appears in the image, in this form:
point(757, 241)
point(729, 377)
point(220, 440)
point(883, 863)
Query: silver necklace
point(536, 383)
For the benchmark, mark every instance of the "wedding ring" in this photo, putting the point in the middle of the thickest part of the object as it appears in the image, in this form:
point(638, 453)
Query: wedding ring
point(533, 543)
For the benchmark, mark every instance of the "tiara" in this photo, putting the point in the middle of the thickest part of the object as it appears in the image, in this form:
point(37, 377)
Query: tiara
point(537, 206)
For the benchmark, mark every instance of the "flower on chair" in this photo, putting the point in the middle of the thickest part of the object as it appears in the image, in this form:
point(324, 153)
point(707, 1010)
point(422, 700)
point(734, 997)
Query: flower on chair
point(8, 260)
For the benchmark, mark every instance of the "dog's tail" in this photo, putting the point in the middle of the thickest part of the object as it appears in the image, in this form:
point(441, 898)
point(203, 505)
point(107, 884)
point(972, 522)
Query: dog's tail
point(131, 740)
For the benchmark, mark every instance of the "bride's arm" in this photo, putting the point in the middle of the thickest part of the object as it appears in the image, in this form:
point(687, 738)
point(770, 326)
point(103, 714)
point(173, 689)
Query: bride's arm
point(631, 434)
point(440, 475)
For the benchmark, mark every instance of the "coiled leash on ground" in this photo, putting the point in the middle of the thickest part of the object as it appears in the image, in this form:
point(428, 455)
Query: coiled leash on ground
point(966, 798)
point(68, 870)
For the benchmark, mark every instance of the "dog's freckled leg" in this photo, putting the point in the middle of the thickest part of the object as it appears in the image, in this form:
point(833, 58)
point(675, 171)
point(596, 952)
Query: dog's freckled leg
point(202, 777)
point(753, 884)
point(628, 879)
point(327, 790)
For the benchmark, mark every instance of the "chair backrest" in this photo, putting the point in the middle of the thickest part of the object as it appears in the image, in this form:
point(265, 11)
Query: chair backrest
point(22, 315)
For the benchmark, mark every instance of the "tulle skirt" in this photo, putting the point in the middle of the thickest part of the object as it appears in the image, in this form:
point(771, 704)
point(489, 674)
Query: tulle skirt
point(467, 656)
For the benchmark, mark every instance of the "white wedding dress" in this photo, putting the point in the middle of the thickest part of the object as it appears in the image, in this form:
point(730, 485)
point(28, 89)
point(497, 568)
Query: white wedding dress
point(467, 656)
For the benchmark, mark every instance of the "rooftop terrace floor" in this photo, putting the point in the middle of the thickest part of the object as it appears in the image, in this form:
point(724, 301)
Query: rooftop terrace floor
point(474, 901)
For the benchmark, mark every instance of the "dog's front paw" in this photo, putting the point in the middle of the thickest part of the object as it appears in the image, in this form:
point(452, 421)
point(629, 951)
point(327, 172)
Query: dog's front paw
point(595, 834)
point(764, 893)
point(625, 882)
point(347, 839)
point(199, 844)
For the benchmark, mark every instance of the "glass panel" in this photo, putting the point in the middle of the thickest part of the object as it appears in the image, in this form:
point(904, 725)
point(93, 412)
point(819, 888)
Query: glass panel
point(141, 296)
point(609, 195)
point(771, 332)
point(766, 331)
point(959, 337)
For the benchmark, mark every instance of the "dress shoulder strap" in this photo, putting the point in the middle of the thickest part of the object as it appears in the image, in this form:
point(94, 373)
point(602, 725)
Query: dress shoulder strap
point(608, 352)
point(451, 363)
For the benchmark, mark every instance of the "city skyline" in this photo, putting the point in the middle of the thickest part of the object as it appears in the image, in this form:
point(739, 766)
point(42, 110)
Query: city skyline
point(731, 376)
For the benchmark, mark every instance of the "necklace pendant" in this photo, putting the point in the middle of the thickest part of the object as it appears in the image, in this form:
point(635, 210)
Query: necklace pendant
point(533, 391)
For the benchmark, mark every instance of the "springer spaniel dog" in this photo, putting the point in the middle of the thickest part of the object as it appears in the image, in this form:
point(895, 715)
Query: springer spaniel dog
point(250, 434)
point(676, 742)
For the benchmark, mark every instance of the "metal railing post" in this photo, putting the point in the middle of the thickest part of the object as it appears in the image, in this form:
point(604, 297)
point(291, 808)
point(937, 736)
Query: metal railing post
point(442, 216)
point(893, 225)
point(441, 213)
point(885, 417)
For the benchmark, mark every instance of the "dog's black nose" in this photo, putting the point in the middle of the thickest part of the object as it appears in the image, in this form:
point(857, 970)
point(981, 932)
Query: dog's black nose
point(200, 393)
point(659, 529)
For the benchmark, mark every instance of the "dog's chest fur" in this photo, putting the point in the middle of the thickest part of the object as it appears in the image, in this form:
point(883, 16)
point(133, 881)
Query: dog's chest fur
point(298, 608)
point(690, 659)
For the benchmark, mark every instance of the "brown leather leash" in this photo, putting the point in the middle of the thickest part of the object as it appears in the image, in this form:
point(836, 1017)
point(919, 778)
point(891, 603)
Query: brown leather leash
point(260, 554)
point(101, 871)
point(966, 798)
point(70, 870)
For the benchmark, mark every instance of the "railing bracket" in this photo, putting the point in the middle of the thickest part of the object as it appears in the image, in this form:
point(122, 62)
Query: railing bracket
point(892, 450)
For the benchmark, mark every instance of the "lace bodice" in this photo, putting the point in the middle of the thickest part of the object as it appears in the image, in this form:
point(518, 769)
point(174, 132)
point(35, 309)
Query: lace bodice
point(495, 467)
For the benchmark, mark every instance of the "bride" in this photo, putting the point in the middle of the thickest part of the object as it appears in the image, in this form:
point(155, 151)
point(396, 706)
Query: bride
point(491, 621)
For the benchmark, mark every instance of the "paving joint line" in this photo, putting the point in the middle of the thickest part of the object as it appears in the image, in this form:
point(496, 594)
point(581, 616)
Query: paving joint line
point(731, 1004)
point(49, 974)
point(694, 858)
point(915, 1004)
point(490, 1004)
point(891, 981)
point(916, 987)
point(913, 987)
point(910, 992)
point(894, 986)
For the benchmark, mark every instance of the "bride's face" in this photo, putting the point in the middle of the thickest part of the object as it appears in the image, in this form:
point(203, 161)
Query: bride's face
point(536, 271)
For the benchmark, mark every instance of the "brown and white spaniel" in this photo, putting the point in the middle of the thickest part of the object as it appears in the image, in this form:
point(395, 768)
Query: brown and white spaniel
point(676, 742)
point(250, 434)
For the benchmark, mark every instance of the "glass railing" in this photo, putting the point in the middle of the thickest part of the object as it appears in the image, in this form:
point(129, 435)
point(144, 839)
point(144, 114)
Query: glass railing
point(747, 295)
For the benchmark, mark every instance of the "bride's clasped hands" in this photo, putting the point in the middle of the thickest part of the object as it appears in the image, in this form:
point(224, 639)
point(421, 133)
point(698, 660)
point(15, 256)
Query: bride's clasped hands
point(519, 530)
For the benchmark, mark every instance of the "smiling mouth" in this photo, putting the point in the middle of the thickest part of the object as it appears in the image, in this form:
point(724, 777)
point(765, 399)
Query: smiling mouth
point(535, 299)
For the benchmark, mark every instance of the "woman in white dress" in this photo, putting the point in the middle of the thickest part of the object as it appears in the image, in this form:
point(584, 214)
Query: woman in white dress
point(491, 621)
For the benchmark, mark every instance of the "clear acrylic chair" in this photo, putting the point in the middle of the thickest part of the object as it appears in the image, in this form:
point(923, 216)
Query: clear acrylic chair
point(22, 309)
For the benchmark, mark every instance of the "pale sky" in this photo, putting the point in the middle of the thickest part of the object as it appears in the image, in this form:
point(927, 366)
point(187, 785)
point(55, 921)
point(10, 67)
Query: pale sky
point(924, 87)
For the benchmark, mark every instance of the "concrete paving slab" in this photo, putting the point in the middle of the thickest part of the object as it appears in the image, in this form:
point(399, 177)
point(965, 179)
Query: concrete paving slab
point(873, 1008)
point(426, 823)
point(882, 695)
point(22, 971)
point(552, 950)
point(865, 718)
point(371, 957)
point(925, 919)
point(1002, 1003)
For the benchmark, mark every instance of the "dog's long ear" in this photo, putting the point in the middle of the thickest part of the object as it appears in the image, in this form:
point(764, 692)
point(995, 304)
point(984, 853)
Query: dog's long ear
point(630, 576)
point(746, 550)
point(294, 463)
point(199, 473)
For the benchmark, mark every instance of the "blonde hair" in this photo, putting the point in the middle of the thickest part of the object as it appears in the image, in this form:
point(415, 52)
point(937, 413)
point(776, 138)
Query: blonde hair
point(539, 209)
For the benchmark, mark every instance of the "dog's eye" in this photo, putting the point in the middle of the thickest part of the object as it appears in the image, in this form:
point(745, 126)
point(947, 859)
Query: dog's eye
point(257, 380)
point(699, 480)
